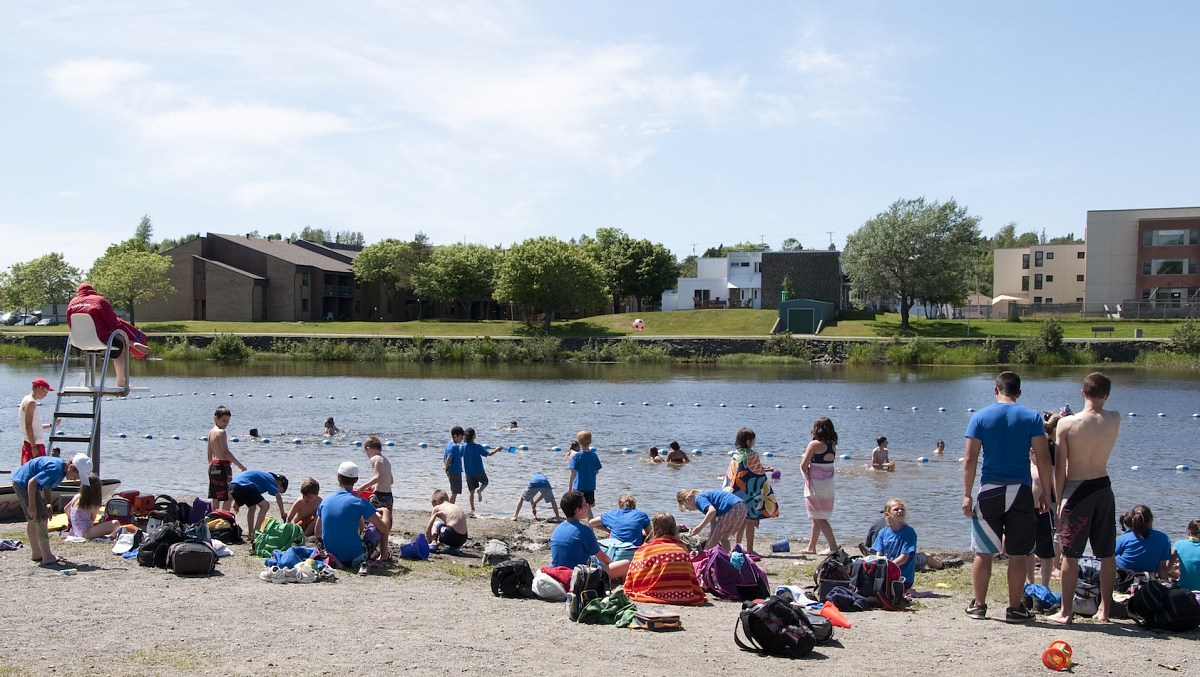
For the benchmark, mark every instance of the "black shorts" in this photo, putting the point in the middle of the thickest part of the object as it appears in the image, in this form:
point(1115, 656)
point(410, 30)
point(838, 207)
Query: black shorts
point(244, 495)
point(477, 481)
point(450, 538)
point(219, 474)
point(1044, 535)
point(1004, 520)
point(381, 499)
point(455, 481)
point(589, 497)
point(1089, 515)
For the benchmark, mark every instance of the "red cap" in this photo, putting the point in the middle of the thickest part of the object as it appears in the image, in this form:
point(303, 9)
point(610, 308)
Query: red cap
point(42, 383)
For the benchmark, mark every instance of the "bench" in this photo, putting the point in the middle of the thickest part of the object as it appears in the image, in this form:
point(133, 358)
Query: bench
point(1103, 330)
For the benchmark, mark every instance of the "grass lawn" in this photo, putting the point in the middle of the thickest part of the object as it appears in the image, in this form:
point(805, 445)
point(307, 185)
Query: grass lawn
point(737, 322)
point(889, 325)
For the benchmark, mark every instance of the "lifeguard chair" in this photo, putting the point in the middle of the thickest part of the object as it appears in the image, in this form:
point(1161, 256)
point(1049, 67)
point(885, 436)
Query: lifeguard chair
point(96, 353)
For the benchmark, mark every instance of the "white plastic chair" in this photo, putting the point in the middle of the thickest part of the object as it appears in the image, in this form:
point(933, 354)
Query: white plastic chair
point(83, 333)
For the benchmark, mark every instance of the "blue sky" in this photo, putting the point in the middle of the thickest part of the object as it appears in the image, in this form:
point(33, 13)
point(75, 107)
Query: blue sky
point(688, 123)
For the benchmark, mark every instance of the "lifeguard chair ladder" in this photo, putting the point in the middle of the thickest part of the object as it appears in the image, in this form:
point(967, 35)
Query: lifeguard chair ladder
point(96, 353)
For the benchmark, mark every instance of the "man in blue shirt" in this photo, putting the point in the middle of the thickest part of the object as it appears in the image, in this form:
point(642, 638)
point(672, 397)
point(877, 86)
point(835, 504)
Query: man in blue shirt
point(1004, 514)
point(453, 460)
point(248, 487)
point(473, 455)
point(39, 476)
point(573, 542)
point(339, 517)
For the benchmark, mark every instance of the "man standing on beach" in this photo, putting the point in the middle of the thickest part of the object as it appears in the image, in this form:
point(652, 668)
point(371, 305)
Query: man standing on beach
point(1089, 510)
point(1003, 516)
point(220, 461)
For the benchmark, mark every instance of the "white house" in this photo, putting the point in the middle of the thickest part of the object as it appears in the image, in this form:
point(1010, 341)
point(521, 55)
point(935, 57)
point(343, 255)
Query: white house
point(728, 282)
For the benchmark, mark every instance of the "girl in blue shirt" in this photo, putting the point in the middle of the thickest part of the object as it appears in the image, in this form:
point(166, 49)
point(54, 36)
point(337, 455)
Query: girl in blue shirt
point(898, 541)
point(1141, 548)
point(1188, 554)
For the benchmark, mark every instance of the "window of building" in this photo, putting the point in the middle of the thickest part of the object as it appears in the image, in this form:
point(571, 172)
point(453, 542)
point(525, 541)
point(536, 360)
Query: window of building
point(1024, 283)
point(1037, 259)
point(1049, 300)
point(745, 264)
point(357, 306)
point(1049, 278)
point(758, 266)
point(304, 305)
point(1049, 255)
point(1145, 294)
point(1024, 261)
point(1079, 278)
point(1037, 281)
point(701, 294)
point(198, 277)
point(1168, 266)
point(1169, 238)
point(1079, 255)
point(1078, 299)
point(303, 279)
point(1037, 299)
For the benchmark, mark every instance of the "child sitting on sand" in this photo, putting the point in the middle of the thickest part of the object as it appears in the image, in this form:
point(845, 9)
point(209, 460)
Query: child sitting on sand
point(539, 489)
point(304, 511)
point(447, 523)
point(82, 510)
point(898, 541)
point(879, 455)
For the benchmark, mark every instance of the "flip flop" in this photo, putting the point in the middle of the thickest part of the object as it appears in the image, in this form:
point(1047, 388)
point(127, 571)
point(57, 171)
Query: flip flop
point(59, 562)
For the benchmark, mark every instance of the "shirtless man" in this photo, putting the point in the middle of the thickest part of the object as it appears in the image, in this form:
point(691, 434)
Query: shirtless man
point(447, 523)
point(381, 479)
point(220, 461)
point(1088, 512)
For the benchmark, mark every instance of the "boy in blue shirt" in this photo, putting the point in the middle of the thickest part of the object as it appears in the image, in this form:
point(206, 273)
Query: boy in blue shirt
point(584, 466)
point(538, 489)
point(39, 475)
point(453, 461)
point(339, 518)
point(473, 455)
point(248, 487)
point(626, 524)
point(898, 541)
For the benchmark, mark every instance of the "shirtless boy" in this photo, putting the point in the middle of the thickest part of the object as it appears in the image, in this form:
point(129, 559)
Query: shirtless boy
point(220, 460)
point(447, 523)
point(1088, 513)
point(381, 479)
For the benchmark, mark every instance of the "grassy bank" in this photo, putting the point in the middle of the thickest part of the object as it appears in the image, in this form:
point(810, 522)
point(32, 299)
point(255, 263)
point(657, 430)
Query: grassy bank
point(16, 351)
point(888, 325)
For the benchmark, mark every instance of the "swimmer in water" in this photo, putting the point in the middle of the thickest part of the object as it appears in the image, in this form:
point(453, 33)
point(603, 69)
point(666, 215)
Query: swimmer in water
point(330, 428)
point(941, 448)
point(512, 426)
point(654, 457)
point(676, 455)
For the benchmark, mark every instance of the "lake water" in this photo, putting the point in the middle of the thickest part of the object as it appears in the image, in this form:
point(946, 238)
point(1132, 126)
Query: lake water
point(183, 403)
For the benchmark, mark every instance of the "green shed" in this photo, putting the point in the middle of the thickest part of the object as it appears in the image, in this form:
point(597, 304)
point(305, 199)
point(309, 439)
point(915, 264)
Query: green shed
point(803, 316)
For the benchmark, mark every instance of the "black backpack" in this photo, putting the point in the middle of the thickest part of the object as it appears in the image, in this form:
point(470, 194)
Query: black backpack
point(774, 627)
point(512, 578)
point(1156, 607)
point(878, 580)
point(231, 535)
point(153, 550)
point(191, 558)
point(178, 511)
point(833, 571)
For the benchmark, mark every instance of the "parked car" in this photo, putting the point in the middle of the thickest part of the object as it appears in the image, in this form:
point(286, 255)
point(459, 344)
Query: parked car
point(9, 318)
point(47, 322)
point(29, 320)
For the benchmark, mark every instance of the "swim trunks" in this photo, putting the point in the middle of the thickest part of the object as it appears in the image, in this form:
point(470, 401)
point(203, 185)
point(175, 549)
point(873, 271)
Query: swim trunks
point(1003, 520)
point(531, 493)
point(478, 481)
point(920, 560)
point(27, 451)
point(1089, 514)
point(22, 493)
point(219, 474)
point(589, 497)
point(381, 499)
point(455, 481)
point(450, 538)
point(1044, 536)
point(244, 495)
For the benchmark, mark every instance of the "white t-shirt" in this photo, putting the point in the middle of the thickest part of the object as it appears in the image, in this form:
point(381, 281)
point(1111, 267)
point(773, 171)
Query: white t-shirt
point(39, 436)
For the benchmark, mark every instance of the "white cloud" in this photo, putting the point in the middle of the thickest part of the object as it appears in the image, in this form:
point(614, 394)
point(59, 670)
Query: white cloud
point(241, 123)
point(817, 61)
point(89, 79)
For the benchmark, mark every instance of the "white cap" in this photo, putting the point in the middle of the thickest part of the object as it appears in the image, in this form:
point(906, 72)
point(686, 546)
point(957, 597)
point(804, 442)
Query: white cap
point(84, 465)
point(348, 469)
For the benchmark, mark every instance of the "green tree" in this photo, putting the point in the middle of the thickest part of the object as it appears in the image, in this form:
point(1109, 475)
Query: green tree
point(629, 267)
point(657, 271)
point(459, 273)
point(549, 275)
point(1069, 238)
point(915, 250)
point(391, 262)
point(721, 251)
point(15, 290)
point(144, 232)
point(688, 267)
point(318, 235)
point(791, 245)
point(46, 280)
point(127, 278)
point(351, 237)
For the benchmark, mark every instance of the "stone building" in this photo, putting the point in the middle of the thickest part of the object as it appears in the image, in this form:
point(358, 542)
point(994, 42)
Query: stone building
point(814, 274)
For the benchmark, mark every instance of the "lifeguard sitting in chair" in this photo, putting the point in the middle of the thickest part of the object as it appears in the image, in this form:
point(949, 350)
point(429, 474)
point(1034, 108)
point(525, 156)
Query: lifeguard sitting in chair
point(95, 321)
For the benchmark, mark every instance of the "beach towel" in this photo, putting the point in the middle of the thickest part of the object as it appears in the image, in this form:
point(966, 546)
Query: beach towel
point(615, 609)
point(662, 573)
point(748, 481)
point(818, 491)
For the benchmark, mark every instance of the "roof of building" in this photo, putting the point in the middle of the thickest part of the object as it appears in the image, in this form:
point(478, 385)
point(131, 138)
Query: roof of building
point(226, 266)
point(286, 251)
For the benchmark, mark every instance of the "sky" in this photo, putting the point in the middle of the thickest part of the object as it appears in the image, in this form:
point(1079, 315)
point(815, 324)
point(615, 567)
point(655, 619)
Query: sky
point(688, 123)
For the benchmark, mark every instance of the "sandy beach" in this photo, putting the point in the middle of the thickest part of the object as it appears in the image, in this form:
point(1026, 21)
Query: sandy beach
point(439, 616)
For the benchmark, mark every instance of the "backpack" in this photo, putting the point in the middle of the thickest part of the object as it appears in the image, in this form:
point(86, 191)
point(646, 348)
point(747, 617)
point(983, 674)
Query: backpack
point(717, 575)
point(157, 518)
point(834, 571)
point(191, 558)
point(118, 508)
point(512, 579)
point(275, 535)
point(879, 578)
point(178, 511)
point(1154, 606)
point(200, 508)
point(153, 551)
point(822, 627)
point(495, 551)
point(774, 627)
point(1087, 598)
point(223, 526)
point(587, 583)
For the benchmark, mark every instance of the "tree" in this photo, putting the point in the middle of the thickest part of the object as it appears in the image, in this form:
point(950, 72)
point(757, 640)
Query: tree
point(915, 250)
point(46, 280)
point(458, 273)
point(688, 267)
point(317, 235)
point(351, 237)
point(144, 232)
point(628, 267)
point(1069, 238)
point(721, 251)
point(127, 278)
point(549, 275)
point(15, 290)
point(391, 262)
point(791, 245)
point(657, 271)
point(168, 243)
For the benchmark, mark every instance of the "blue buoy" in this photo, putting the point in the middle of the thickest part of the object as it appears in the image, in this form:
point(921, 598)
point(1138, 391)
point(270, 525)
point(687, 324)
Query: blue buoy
point(627, 450)
point(1133, 413)
point(1195, 415)
point(445, 399)
point(914, 408)
point(698, 452)
point(769, 454)
point(297, 441)
point(722, 405)
point(269, 394)
point(391, 443)
point(845, 457)
point(399, 399)
point(291, 397)
point(645, 404)
point(804, 406)
point(423, 445)
point(195, 393)
point(136, 397)
point(328, 442)
point(832, 407)
point(376, 399)
point(1161, 415)
point(670, 404)
point(470, 399)
point(266, 440)
point(358, 443)
point(597, 402)
point(923, 459)
point(887, 407)
point(522, 400)
point(152, 397)
point(697, 404)
point(249, 395)
point(422, 399)
point(202, 439)
point(547, 401)
point(557, 449)
point(524, 447)
point(591, 448)
point(859, 407)
point(779, 406)
point(750, 406)
point(213, 394)
point(174, 437)
point(970, 410)
point(1135, 467)
point(234, 439)
point(941, 409)
point(571, 402)
point(1182, 468)
point(149, 436)
point(310, 397)
point(331, 397)
point(620, 404)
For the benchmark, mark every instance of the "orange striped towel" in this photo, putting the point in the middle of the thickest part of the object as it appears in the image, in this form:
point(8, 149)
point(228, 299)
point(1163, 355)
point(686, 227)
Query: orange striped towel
point(661, 573)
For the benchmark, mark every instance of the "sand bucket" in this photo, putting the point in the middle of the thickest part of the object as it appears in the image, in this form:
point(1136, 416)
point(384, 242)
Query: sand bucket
point(418, 549)
point(782, 545)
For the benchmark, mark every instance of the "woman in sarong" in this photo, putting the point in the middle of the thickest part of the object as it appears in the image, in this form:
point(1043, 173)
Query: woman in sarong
point(817, 468)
